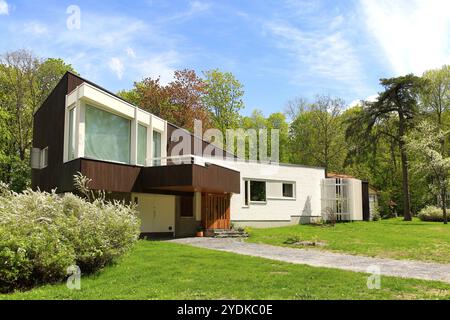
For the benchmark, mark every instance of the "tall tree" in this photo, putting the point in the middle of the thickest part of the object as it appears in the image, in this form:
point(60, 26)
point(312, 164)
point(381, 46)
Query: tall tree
point(179, 102)
point(425, 144)
point(435, 96)
point(25, 82)
point(317, 135)
point(223, 99)
point(398, 102)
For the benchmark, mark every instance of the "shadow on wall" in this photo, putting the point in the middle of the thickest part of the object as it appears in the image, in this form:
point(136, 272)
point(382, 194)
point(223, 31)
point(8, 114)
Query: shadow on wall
point(307, 207)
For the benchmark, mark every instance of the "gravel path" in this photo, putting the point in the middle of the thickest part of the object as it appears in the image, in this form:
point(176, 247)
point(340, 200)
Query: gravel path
point(317, 258)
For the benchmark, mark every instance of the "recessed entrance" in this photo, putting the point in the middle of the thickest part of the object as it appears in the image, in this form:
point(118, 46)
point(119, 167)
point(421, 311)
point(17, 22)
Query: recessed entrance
point(215, 211)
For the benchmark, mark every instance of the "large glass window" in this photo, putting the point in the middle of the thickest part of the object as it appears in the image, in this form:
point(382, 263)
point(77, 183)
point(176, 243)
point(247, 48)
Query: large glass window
point(107, 136)
point(258, 191)
point(142, 145)
point(156, 148)
point(71, 144)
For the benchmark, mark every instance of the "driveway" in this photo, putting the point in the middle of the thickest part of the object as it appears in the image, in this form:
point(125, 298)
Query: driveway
point(318, 258)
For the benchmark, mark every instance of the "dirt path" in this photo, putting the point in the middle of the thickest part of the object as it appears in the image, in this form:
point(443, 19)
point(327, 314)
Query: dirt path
point(316, 258)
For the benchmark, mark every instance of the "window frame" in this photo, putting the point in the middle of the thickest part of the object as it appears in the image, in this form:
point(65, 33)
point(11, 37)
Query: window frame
point(292, 184)
point(43, 158)
point(250, 191)
point(147, 128)
point(117, 114)
point(71, 133)
point(156, 163)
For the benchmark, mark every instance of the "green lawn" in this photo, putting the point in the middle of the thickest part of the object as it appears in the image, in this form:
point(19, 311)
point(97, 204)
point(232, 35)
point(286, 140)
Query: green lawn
point(161, 270)
point(394, 238)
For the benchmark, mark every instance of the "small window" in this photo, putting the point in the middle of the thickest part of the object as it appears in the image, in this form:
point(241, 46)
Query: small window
point(35, 158)
point(246, 192)
point(187, 206)
point(288, 190)
point(44, 158)
point(258, 191)
point(71, 142)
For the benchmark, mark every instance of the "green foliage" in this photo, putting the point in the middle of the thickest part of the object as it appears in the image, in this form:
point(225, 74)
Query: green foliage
point(42, 234)
point(376, 213)
point(431, 213)
point(25, 83)
point(317, 134)
point(424, 144)
point(292, 240)
point(223, 98)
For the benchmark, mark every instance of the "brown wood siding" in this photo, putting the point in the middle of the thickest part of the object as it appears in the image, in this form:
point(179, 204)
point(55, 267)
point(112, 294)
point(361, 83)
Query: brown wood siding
point(188, 177)
point(110, 176)
point(215, 178)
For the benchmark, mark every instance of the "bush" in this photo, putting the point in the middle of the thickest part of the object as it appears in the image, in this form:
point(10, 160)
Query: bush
point(431, 213)
point(41, 234)
point(376, 213)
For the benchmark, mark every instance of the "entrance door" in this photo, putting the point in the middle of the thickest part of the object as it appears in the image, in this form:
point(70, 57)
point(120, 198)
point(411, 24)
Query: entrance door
point(157, 213)
point(215, 211)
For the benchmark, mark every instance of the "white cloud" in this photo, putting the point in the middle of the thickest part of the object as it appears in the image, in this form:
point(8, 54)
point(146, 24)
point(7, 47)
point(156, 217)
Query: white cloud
point(117, 46)
point(130, 52)
point(116, 65)
point(195, 7)
point(4, 7)
point(413, 34)
point(320, 53)
point(159, 65)
point(371, 98)
point(35, 28)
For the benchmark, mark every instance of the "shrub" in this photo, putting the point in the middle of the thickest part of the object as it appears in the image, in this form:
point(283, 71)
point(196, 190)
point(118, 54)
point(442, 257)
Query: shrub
point(431, 213)
point(41, 234)
point(376, 213)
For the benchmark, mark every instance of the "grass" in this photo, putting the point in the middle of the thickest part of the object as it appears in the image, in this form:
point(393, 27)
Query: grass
point(393, 238)
point(161, 270)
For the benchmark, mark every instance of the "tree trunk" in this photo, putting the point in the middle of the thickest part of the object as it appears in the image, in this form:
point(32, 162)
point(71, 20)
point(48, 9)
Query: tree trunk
point(405, 176)
point(444, 205)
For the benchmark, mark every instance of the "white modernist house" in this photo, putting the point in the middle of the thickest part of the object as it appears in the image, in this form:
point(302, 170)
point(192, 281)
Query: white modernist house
point(135, 156)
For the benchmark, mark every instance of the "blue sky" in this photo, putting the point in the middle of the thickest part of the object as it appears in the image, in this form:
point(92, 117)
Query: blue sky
point(279, 49)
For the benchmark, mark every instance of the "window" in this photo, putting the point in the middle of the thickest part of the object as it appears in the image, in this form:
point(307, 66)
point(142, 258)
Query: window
point(288, 190)
point(187, 206)
point(44, 158)
point(258, 191)
point(156, 148)
point(107, 136)
point(246, 192)
point(71, 144)
point(142, 145)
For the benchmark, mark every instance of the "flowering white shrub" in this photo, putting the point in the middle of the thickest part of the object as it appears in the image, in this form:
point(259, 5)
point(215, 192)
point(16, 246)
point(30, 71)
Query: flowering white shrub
point(431, 213)
point(41, 234)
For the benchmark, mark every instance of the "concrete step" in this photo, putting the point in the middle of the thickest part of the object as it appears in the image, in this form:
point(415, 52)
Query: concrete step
point(221, 233)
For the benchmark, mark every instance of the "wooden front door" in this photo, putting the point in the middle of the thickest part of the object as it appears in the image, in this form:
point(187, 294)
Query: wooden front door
point(215, 211)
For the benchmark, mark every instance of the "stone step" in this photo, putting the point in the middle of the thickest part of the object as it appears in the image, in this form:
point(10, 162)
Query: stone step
point(227, 233)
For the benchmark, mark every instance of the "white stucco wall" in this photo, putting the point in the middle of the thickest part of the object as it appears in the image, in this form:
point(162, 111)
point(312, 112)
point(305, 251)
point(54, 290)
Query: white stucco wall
point(307, 192)
point(355, 207)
